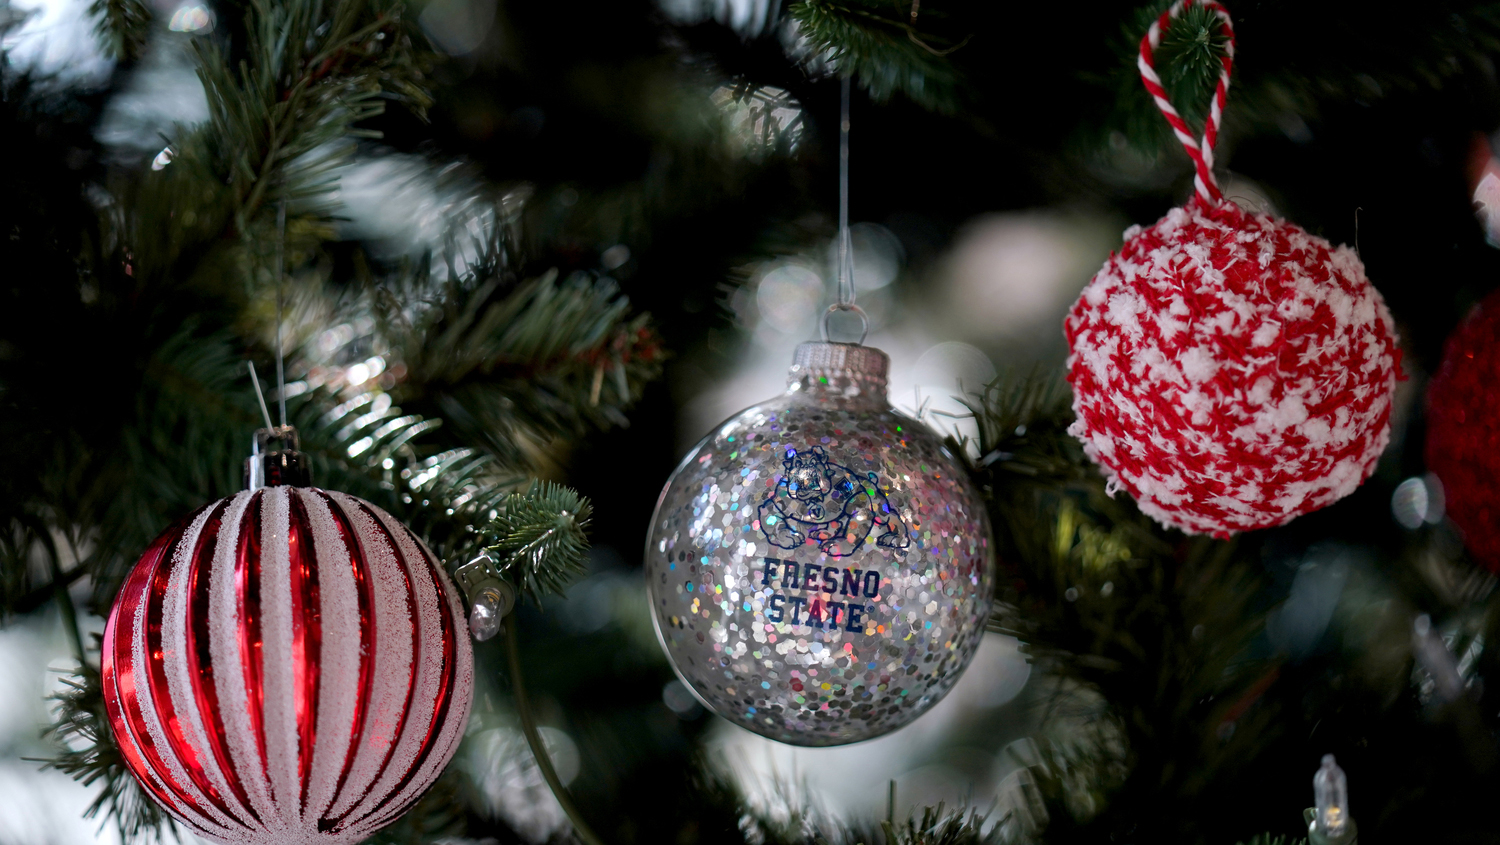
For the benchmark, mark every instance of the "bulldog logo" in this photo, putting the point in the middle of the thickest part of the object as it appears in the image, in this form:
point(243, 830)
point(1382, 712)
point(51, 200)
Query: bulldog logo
point(830, 506)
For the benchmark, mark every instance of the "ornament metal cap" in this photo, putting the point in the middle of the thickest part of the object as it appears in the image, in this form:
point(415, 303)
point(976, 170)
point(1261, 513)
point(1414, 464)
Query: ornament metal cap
point(846, 370)
point(274, 460)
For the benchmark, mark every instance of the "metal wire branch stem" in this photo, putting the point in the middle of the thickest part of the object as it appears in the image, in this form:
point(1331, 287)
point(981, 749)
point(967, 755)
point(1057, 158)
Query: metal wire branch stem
point(534, 739)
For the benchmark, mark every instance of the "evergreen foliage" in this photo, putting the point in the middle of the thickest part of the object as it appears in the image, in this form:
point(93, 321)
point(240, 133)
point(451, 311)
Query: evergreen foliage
point(91, 757)
point(540, 536)
point(122, 27)
point(883, 47)
point(935, 827)
point(1170, 717)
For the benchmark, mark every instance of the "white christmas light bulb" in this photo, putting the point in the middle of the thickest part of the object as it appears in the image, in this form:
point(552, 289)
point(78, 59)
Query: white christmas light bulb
point(1331, 795)
point(490, 597)
point(484, 619)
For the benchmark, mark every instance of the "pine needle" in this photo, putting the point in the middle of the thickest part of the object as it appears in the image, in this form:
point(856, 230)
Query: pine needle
point(874, 42)
point(122, 27)
point(935, 827)
point(89, 754)
point(539, 537)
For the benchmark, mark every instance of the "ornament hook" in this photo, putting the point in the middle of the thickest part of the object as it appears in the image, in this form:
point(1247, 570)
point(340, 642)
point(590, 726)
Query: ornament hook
point(846, 242)
point(1201, 151)
point(864, 321)
point(280, 307)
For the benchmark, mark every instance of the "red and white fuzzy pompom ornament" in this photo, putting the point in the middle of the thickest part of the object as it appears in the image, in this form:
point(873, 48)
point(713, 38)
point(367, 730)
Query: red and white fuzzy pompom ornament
point(1230, 371)
point(1463, 430)
point(287, 666)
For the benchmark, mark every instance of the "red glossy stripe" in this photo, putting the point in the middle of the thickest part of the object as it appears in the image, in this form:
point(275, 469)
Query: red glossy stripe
point(247, 587)
point(366, 591)
point(307, 635)
point(416, 650)
point(200, 659)
point(211, 793)
point(174, 724)
point(450, 634)
point(120, 676)
point(151, 677)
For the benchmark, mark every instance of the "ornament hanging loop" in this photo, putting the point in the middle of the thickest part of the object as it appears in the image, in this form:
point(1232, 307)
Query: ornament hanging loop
point(1200, 150)
point(846, 243)
point(864, 321)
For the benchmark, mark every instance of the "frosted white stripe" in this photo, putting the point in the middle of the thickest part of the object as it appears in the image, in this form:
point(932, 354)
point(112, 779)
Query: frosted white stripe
point(461, 696)
point(177, 660)
point(430, 668)
point(229, 677)
point(140, 665)
point(128, 635)
point(393, 654)
point(404, 639)
point(277, 677)
point(338, 655)
point(448, 739)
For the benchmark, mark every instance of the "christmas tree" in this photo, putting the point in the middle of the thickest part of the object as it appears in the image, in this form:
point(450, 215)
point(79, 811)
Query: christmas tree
point(501, 264)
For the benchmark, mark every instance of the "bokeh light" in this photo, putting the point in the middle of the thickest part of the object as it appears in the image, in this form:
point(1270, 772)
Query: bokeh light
point(789, 297)
point(506, 776)
point(1017, 273)
point(457, 27)
point(1418, 500)
point(192, 17)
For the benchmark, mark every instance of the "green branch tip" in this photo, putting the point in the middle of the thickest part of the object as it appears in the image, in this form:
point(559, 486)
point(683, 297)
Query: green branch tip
point(539, 538)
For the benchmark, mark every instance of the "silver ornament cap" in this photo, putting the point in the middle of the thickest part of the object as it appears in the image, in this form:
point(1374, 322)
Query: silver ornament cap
point(848, 369)
point(820, 567)
point(275, 460)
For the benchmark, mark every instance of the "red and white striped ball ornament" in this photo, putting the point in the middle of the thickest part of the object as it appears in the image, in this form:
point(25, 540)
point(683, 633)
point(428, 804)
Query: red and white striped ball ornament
point(1230, 371)
point(287, 666)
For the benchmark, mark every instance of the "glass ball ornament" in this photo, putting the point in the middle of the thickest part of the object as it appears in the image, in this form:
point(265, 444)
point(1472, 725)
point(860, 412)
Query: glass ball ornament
point(819, 567)
point(288, 665)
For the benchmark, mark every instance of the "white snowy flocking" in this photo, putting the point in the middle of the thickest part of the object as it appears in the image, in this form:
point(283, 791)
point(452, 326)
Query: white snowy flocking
point(286, 666)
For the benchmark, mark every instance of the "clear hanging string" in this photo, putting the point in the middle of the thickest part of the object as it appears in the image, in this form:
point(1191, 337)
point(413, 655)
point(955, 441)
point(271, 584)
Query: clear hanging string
point(846, 242)
point(280, 264)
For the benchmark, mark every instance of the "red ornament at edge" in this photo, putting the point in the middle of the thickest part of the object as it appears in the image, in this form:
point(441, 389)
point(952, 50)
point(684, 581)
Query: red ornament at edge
point(1463, 430)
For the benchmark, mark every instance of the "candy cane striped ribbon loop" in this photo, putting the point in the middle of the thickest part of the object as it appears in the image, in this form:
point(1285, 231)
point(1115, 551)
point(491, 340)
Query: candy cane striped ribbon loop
point(1201, 151)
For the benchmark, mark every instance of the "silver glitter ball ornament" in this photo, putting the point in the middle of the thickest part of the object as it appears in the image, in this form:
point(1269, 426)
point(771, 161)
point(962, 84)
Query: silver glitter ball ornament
point(819, 567)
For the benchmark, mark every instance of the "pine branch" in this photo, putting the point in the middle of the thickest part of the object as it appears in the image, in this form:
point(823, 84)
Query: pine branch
point(935, 827)
point(1269, 839)
point(382, 455)
point(512, 366)
point(318, 71)
point(1023, 432)
point(876, 43)
point(122, 27)
point(89, 754)
point(280, 122)
point(539, 538)
point(1295, 59)
point(1188, 62)
point(1159, 625)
